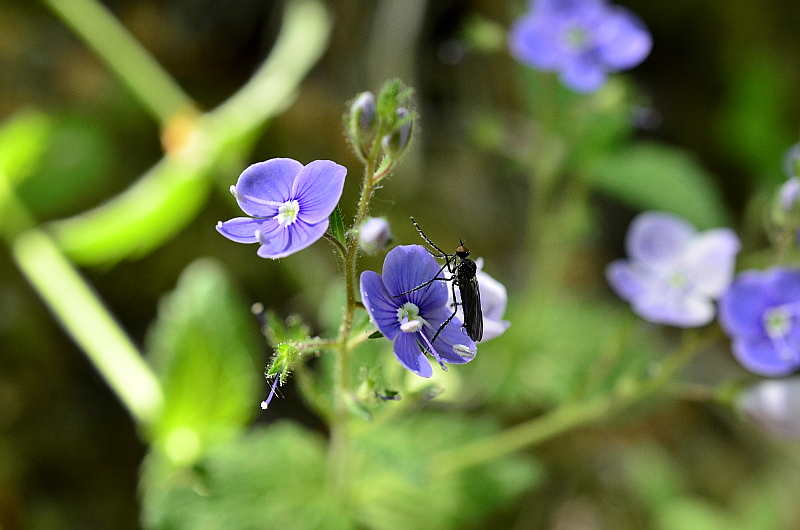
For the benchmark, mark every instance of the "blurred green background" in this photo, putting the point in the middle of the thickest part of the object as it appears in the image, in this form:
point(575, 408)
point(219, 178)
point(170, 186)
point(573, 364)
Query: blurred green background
point(721, 82)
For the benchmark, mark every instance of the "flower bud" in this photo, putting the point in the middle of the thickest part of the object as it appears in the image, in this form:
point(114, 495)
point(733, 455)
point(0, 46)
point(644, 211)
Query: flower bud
point(361, 122)
point(774, 405)
point(375, 233)
point(396, 142)
point(362, 112)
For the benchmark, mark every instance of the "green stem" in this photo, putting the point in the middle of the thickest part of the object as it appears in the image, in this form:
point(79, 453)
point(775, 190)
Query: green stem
point(76, 305)
point(148, 81)
point(571, 415)
point(78, 308)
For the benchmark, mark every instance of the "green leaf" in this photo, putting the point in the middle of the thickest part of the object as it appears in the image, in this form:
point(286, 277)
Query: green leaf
point(203, 347)
point(23, 139)
point(270, 478)
point(395, 487)
point(652, 176)
point(337, 225)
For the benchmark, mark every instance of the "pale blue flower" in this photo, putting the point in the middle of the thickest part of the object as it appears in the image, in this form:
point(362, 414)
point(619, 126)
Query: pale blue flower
point(674, 273)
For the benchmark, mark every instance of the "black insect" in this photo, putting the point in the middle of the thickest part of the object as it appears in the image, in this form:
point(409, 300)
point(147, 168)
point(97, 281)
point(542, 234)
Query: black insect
point(463, 272)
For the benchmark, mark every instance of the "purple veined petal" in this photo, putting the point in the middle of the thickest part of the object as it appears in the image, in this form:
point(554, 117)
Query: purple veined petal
point(709, 260)
point(409, 354)
point(409, 266)
point(317, 189)
point(242, 229)
point(656, 240)
point(264, 186)
point(675, 309)
point(760, 356)
point(534, 42)
point(622, 39)
point(583, 74)
point(742, 306)
point(286, 240)
point(380, 305)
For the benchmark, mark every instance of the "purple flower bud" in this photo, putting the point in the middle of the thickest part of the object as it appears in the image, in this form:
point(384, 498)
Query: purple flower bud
point(375, 233)
point(396, 142)
point(774, 406)
point(362, 112)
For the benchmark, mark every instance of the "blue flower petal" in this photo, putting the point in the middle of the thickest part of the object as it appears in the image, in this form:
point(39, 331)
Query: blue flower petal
point(533, 42)
point(317, 189)
point(657, 239)
point(623, 39)
point(742, 307)
point(409, 354)
point(409, 266)
point(451, 335)
point(264, 186)
point(760, 356)
point(285, 240)
point(380, 305)
point(583, 74)
point(242, 229)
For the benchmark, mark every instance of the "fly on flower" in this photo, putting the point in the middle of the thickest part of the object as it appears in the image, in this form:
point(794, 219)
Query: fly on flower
point(463, 274)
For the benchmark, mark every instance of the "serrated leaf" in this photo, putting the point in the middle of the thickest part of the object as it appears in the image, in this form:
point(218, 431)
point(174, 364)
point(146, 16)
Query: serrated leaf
point(204, 347)
point(652, 176)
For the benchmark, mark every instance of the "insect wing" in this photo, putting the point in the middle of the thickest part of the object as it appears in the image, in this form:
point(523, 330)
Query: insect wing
point(471, 304)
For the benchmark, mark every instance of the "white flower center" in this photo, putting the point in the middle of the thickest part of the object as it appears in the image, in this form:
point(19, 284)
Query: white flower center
point(777, 322)
point(678, 280)
point(287, 212)
point(409, 318)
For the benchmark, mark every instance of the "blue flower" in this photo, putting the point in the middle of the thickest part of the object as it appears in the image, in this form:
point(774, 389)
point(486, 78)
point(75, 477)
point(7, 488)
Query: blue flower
point(774, 405)
point(761, 314)
point(674, 272)
point(411, 320)
point(583, 40)
point(289, 204)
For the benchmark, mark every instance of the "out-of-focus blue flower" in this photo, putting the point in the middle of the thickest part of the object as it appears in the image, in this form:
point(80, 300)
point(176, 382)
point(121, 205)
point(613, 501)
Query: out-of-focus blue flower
point(761, 314)
point(583, 40)
point(774, 406)
point(494, 299)
point(411, 320)
point(674, 273)
point(289, 204)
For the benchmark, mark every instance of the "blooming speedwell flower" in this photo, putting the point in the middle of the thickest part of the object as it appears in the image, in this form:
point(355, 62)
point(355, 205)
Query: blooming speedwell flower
point(761, 314)
point(494, 299)
point(674, 273)
point(583, 40)
point(411, 320)
point(289, 204)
